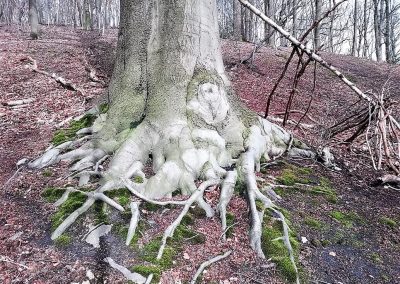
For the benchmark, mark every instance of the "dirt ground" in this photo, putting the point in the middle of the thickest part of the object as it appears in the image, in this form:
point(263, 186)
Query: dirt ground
point(362, 247)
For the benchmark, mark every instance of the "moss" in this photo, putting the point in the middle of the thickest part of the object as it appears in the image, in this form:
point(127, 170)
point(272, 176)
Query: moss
point(347, 219)
point(122, 231)
point(260, 205)
point(121, 195)
point(325, 188)
point(52, 194)
point(63, 240)
point(138, 179)
point(74, 201)
point(313, 223)
point(188, 219)
point(290, 176)
point(197, 212)
point(151, 207)
point(325, 243)
point(47, 173)
point(275, 249)
point(146, 270)
point(375, 257)
point(150, 250)
point(230, 220)
point(68, 134)
point(183, 233)
point(103, 108)
point(240, 187)
point(101, 216)
point(388, 222)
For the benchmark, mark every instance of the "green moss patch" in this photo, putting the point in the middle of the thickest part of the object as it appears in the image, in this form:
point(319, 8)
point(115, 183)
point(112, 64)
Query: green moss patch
point(104, 107)
point(346, 219)
point(52, 194)
point(275, 249)
point(313, 223)
point(146, 270)
point(230, 220)
point(68, 134)
point(388, 222)
point(74, 201)
point(121, 195)
point(63, 240)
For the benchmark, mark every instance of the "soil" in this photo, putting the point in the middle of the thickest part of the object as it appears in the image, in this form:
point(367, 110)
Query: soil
point(364, 248)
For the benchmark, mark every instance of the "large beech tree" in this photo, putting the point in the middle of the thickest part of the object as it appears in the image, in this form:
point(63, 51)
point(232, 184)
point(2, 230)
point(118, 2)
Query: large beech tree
point(172, 105)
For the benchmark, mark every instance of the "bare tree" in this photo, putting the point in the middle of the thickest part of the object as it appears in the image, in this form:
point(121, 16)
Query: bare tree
point(317, 31)
point(377, 30)
point(33, 19)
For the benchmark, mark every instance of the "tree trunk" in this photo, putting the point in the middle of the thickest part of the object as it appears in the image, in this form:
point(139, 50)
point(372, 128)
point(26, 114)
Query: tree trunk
point(171, 105)
point(377, 30)
point(237, 20)
point(295, 3)
point(354, 41)
point(87, 18)
point(33, 19)
point(269, 33)
point(317, 31)
point(388, 50)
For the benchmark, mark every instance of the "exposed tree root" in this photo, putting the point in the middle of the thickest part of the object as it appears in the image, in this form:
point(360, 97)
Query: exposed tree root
point(208, 263)
point(182, 157)
point(132, 276)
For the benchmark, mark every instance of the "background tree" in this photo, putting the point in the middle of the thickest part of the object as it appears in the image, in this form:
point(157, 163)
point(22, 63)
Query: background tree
point(33, 19)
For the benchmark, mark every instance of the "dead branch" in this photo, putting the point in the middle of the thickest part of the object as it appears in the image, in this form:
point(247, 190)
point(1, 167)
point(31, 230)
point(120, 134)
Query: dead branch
point(384, 148)
point(306, 50)
point(32, 64)
point(208, 263)
point(18, 102)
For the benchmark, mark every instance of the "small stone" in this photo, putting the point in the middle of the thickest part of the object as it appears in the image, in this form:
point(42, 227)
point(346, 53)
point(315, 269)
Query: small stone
point(332, 253)
point(304, 240)
point(186, 256)
point(86, 282)
point(233, 279)
point(89, 274)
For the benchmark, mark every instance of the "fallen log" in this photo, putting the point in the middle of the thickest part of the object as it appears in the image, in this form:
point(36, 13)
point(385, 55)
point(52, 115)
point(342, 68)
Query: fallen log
point(32, 64)
point(18, 102)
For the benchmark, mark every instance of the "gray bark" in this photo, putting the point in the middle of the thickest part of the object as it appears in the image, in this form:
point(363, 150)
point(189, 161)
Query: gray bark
point(317, 31)
point(33, 19)
point(377, 30)
point(237, 20)
point(354, 41)
point(269, 33)
point(388, 50)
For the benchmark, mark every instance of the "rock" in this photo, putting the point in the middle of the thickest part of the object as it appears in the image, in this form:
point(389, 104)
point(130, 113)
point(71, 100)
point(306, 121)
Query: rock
point(304, 240)
point(332, 253)
point(89, 274)
point(93, 237)
point(186, 256)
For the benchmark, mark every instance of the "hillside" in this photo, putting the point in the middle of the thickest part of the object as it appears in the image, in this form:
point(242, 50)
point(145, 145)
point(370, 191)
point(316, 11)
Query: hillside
point(351, 226)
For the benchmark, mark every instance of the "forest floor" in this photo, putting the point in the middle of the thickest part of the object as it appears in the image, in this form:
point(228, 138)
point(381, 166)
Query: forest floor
point(352, 235)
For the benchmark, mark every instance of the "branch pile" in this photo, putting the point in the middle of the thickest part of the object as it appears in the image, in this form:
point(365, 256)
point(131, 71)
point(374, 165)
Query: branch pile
point(381, 127)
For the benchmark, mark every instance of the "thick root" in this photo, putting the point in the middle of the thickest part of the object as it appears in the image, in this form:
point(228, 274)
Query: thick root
point(181, 156)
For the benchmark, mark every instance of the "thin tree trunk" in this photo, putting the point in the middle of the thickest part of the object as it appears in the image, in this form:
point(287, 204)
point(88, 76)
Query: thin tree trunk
point(365, 29)
point(237, 20)
point(354, 41)
point(377, 29)
point(295, 3)
point(317, 31)
point(269, 33)
point(87, 18)
point(33, 19)
point(387, 32)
